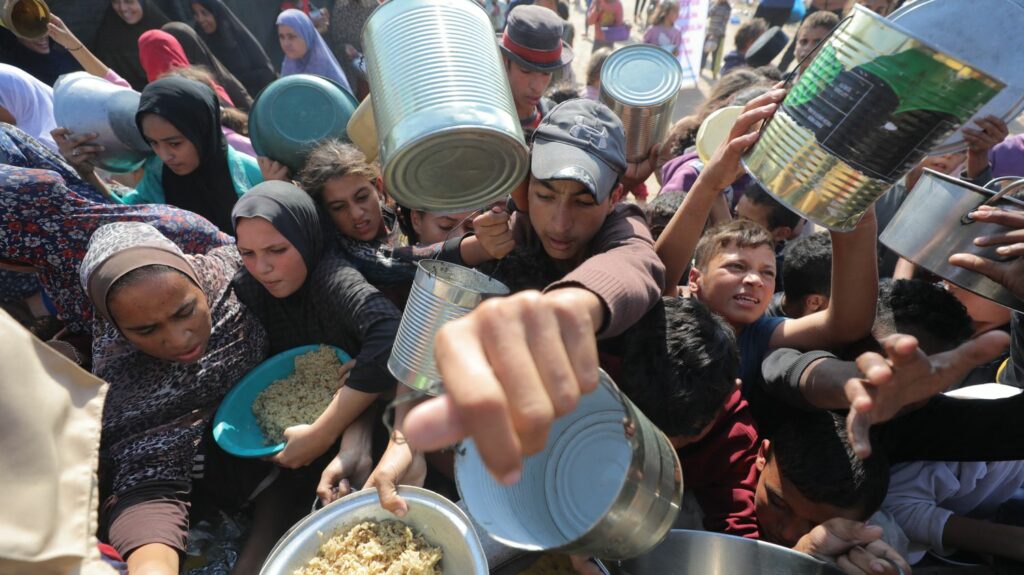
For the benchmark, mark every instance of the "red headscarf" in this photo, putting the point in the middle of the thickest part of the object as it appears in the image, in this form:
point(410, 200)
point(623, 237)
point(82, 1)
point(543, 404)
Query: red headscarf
point(160, 53)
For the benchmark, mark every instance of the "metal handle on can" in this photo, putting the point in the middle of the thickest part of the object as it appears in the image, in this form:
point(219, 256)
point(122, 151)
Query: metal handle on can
point(1016, 185)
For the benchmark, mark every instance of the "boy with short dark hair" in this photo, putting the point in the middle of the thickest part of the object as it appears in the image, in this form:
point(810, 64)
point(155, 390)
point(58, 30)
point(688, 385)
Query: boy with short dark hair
point(807, 266)
point(813, 31)
point(746, 34)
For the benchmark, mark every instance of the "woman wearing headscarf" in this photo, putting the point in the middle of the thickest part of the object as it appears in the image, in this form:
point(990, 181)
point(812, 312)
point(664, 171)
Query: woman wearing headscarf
point(199, 54)
point(171, 339)
point(45, 225)
point(27, 103)
point(117, 40)
point(233, 44)
point(43, 58)
point(305, 52)
point(305, 294)
point(160, 53)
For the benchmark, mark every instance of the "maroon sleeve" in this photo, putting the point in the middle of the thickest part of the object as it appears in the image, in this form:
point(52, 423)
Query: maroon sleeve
point(721, 469)
point(623, 270)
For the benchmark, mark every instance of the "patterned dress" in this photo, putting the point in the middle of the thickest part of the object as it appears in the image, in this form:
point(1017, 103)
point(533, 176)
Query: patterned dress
point(45, 224)
point(157, 411)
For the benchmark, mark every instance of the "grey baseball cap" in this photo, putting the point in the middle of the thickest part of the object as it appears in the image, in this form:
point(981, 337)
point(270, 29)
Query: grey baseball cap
point(580, 140)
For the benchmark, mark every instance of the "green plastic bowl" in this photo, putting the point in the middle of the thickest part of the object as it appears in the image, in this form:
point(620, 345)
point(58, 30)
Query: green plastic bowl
point(234, 427)
point(295, 113)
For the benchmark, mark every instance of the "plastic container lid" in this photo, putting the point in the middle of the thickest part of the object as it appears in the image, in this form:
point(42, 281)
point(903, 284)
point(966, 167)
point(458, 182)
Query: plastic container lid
point(715, 129)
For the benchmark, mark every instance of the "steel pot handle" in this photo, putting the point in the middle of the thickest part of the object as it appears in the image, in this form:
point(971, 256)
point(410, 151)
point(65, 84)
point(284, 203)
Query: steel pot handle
point(1016, 185)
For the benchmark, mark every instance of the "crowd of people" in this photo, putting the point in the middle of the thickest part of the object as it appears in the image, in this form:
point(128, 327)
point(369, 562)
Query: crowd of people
point(799, 373)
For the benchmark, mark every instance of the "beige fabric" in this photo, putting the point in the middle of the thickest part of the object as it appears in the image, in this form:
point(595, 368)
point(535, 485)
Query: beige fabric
point(50, 413)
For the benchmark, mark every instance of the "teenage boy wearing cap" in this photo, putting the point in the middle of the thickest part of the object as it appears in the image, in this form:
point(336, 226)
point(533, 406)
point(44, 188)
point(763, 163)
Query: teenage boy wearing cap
point(569, 214)
point(532, 49)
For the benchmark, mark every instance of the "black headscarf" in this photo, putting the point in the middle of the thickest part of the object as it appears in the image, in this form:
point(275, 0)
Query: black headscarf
point(45, 67)
point(199, 54)
point(236, 47)
point(193, 109)
point(335, 305)
point(117, 42)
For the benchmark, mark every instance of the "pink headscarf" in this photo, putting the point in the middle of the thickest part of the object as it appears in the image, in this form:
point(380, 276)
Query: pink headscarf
point(160, 53)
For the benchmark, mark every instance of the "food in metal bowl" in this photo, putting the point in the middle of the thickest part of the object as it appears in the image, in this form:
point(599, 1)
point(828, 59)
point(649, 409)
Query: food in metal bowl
point(375, 548)
point(301, 397)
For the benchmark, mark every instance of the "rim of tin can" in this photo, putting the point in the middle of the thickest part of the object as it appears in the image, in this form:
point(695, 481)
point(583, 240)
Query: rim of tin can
point(624, 83)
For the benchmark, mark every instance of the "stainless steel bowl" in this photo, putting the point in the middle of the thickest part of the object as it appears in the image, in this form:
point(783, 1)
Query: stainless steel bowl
point(440, 521)
point(686, 552)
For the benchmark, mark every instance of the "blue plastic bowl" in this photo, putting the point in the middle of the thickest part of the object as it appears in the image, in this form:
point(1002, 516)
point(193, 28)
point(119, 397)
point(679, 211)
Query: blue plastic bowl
point(234, 427)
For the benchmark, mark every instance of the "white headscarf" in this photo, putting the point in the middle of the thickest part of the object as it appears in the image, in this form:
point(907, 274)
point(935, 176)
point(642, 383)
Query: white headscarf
point(30, 102)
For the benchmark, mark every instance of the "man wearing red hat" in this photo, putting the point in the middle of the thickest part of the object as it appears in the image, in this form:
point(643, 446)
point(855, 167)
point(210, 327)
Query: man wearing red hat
point(532, 48)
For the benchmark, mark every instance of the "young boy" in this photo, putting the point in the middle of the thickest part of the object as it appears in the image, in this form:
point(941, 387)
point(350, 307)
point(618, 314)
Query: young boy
point(811, 34)
point(734, 269)
point(807, 266)
point(532, 49)
point(746, 34)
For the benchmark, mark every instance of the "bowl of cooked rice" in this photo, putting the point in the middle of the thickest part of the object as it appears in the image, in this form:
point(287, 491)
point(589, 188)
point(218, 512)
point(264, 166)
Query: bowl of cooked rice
point(356, 536)
point(292, 388)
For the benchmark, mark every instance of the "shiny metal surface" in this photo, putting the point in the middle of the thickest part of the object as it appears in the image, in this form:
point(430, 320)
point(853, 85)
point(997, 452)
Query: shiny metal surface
point(362, 130)
point(440, 522)
point(441, 292)
point(685, 552)
point(294, 114)
point(608, 483)
point(980, 26)
point(870, 106)
point(450, 139)
point(640, 83)
point(26, 18)
point(930, 226)
point(84, 103)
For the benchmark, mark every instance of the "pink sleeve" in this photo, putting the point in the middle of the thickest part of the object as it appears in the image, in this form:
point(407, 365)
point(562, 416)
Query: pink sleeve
point(113, 78)
point(239, 142)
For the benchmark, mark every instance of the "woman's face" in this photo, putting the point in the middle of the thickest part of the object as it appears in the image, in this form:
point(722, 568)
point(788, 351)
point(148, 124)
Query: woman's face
point(165, 316)
point(270, 257)
point(355, 206)
point(129, 10)
point(291, 43)
point(432, 228)
point(204, 18)
point(39, 45)
point(174, 149)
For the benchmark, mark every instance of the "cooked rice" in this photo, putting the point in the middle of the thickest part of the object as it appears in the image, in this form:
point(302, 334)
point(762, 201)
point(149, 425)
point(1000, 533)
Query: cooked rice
point(301, 397)
point(375, 548)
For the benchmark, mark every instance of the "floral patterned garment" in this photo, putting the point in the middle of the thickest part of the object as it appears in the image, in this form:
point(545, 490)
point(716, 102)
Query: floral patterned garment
point(45, 224)
point(156, 411)
point(23, 151)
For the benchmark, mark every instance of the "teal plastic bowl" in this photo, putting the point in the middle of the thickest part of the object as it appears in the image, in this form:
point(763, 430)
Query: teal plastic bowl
point(295, 113)
point(234, 427)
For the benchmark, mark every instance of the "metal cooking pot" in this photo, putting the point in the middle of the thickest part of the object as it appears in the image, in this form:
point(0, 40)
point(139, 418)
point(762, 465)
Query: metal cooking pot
point(26, 18)
point(440, 522)
point(608, 484)
point(933, 224)
point(362, 130)
point(686, 552)
point(84, 103)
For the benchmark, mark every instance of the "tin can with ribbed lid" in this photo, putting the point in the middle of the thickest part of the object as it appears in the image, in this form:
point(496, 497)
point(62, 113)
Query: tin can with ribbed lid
point(450, 138)
point(873, 102)
point(640, 83)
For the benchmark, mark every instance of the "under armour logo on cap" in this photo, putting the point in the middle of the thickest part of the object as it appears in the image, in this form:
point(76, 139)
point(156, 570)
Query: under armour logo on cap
point(581, 130)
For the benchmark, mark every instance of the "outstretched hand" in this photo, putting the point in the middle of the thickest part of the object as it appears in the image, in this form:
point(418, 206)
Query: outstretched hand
point(905, 376)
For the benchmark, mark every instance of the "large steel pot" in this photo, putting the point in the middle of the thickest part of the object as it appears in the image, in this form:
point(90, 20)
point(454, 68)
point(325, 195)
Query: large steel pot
point(440, 522)
point(933, 224)
point(686, 552)
point(26, 18)
point(450, 138)
point(640, 83)
point(873, 102)
point(607, 484)
point(84, 103)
